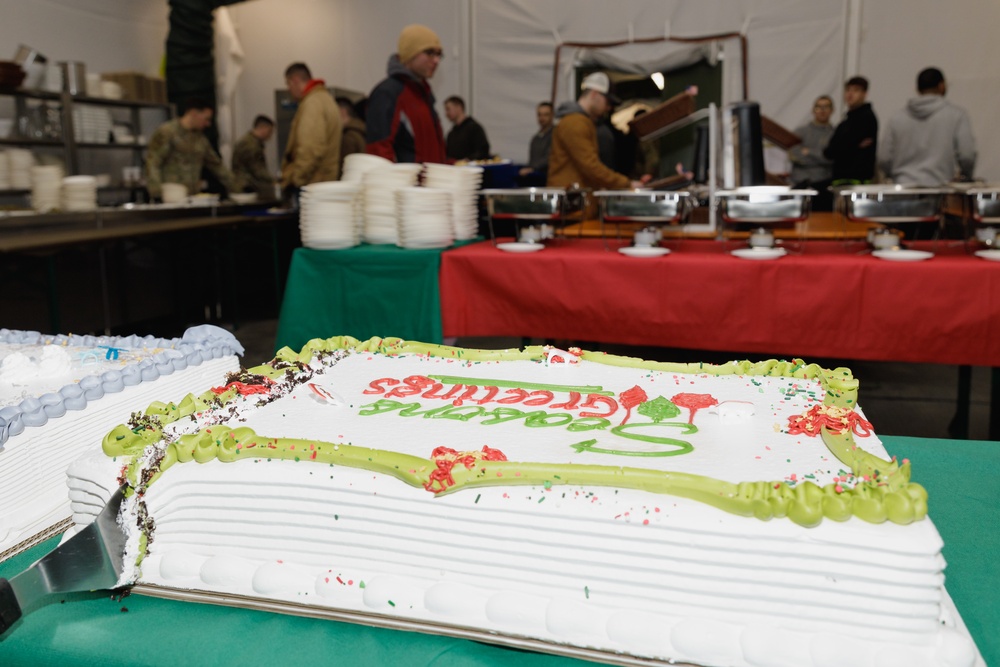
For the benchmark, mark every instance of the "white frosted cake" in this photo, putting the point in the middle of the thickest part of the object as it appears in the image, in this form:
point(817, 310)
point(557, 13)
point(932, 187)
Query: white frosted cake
point(60, 394)
point(731, 515)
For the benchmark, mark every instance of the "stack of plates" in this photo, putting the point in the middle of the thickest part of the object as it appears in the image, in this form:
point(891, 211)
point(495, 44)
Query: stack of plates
point(356, 165)
point(463, 183)
point(380, 187)
point(20, 161)
point(79, 193)
point(92, 125)
point(329, 215)
point(424, 218)
point(46, 187)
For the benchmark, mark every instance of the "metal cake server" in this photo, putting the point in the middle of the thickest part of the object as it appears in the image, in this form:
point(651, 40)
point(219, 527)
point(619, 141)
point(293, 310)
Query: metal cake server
point(90, 560)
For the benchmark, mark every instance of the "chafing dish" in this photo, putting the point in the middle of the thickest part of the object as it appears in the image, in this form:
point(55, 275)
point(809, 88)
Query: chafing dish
point(647, 206)
point(985, 205)
point(530, 203)
point(764, 204)
point(892, 204)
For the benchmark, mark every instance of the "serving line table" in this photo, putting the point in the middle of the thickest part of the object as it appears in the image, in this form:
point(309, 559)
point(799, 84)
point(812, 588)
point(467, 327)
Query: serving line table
point(364, 291)
point(833, 300)
point(45, 235)
point(93, 629)
point(820, 225)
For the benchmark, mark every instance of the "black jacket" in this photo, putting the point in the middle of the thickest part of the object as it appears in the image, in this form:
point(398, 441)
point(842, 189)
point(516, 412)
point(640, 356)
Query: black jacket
point(850, 161)
point(467, 141)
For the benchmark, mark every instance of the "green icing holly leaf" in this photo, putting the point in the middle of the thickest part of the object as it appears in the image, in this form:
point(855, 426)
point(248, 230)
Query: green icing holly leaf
point(658, 409)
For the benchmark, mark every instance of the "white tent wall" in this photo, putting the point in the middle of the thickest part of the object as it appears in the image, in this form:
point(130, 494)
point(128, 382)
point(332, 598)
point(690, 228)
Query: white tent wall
point(795, 52)
point(106, 35)
point(901, 37)
point(345, 42)
point(500, 53)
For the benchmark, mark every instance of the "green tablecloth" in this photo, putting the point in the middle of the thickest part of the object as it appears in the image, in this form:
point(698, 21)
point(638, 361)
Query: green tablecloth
point(369, 290)
point(92, 629)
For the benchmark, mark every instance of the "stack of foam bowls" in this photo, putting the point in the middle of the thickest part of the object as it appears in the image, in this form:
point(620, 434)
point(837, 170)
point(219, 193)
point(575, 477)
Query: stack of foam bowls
point(328, 215)
point(380, 187)
point(463, 183)
point(424, 216)
point(356, 165)
point(21, 161)
point(46, 187)
point(79, 193)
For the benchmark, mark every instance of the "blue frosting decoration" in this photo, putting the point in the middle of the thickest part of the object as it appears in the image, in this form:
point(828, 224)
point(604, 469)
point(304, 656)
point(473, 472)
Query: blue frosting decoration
point(198, 345)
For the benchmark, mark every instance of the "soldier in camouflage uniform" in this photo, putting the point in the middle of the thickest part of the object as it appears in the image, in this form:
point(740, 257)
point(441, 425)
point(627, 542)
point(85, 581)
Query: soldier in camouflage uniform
point(179, 149)
point(250, 173)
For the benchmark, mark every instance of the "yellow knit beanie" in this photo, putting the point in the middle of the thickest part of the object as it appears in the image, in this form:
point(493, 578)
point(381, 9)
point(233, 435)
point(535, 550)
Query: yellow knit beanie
point(414, 39)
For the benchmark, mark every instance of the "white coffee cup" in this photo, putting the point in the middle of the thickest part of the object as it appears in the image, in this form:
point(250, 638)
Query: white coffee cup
point(174, 193)
point(531, 235)
point(645, 238)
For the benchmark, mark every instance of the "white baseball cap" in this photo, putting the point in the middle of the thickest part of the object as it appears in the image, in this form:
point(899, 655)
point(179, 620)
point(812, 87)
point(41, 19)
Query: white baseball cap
point(600, 82)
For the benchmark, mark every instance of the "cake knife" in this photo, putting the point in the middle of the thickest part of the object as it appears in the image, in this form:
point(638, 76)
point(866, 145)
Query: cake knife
point(90, 560)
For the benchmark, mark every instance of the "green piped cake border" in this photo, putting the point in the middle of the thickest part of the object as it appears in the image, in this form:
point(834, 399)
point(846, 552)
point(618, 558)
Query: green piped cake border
point(883, 491)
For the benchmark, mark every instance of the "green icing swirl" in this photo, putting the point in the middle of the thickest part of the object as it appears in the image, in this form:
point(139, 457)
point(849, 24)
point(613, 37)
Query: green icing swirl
point(884, 492)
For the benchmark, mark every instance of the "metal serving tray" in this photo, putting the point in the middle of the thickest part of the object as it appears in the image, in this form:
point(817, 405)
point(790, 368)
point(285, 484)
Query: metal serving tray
point(985, 205)
point(892, 204)
point(763, 205)
point(527, 203)
point(643, 205)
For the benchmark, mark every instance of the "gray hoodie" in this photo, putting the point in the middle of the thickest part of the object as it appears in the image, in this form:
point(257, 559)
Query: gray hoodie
point(928, 143)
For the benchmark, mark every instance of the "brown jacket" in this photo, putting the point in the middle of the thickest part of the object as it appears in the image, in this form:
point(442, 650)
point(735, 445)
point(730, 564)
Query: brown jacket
point(573, 157)
point(353, 140)
point(313, 151)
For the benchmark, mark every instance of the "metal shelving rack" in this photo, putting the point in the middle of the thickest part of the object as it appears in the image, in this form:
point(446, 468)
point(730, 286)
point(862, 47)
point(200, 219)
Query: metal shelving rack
point(71, 147)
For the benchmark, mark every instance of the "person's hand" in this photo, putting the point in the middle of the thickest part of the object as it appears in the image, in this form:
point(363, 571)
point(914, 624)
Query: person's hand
point(524, 171)
point(645, 178)
point(866, 142)
point(635, 185)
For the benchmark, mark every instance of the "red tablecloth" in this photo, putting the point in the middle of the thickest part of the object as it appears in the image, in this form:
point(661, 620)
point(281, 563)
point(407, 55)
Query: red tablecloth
point(829, 301)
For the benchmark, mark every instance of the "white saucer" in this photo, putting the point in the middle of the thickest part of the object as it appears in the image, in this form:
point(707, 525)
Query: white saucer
point(759, 253)
point(647, 251)
point(993, 255)
point(903, 255)
point(520, 247)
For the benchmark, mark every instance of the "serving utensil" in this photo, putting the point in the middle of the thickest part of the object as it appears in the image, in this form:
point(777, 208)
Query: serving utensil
point(91, 560)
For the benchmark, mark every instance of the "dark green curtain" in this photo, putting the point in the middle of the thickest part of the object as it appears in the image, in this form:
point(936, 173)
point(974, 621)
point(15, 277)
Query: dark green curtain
point(190, 61)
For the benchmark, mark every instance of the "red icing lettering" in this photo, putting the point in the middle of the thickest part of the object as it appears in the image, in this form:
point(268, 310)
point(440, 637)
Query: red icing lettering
point(491, 393)
point(411, 385)
point(594, 400)
point(517, 396)
point(431, 393)
point(466, 395)
point(375, 386)
point(543, 398)
point(574, 400)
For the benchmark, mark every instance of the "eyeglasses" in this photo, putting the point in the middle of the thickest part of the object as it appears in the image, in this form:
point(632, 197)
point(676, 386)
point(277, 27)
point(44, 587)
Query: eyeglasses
point(434, 53)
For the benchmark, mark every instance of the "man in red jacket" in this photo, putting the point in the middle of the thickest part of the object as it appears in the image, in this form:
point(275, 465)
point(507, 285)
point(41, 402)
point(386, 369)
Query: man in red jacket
point(402, 123)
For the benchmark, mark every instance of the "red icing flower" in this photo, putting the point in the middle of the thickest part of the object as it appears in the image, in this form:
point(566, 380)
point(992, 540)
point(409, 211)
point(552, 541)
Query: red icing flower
point(694, 402)
point(836, 420)
point(631, 398)
point(245, 389)
point(446, 458)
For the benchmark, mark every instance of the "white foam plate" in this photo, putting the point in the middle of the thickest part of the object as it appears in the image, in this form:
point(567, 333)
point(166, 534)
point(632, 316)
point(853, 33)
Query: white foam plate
point(520, 247)
point(903, 255)
point(991, 255)
point(759, 253)
point(636, 251)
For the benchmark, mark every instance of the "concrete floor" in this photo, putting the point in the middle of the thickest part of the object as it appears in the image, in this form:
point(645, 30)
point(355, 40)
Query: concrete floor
point(899, 399)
